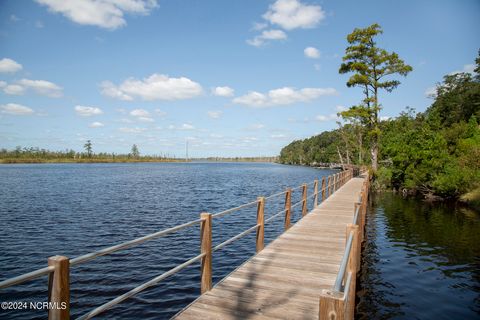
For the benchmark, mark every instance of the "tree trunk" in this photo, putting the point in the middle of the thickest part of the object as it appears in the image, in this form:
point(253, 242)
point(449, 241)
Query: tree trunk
point(374, 153)
point(340, 155)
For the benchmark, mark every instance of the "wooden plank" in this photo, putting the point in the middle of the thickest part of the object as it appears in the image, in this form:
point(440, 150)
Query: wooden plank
point(286, 278)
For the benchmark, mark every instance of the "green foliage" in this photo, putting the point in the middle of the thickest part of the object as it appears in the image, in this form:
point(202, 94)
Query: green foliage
point(435, 153)
point(371, 67)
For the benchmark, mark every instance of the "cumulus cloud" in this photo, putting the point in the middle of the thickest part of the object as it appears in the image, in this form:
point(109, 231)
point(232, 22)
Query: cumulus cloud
point(9, 66)
point(142, 115)
point(267, 35)
point(14, 89)
point(214, 114)
point(256, 126)
point(42, 87)
point(311, 52)
point(110, 90)
point(223, 91)
point(88, 111)
point(283, 96)
point(108, 14)
point(139, 113)
point(15, 109)
point(96, 124)
point(155, 87)
point(292, 14)
point(329, 117)
point(185, 126)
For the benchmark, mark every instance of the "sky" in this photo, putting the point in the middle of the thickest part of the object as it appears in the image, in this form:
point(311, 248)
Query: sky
point(233, 78)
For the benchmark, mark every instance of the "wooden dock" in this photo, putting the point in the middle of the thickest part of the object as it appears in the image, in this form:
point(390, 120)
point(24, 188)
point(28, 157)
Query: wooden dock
point(308, 272)
point(286, 279)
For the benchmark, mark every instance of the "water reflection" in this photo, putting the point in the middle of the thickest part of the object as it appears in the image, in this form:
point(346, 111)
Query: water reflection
point(420, 261)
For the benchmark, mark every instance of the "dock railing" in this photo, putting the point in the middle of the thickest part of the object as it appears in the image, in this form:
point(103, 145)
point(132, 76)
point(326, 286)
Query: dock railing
point(338, 303)
point(58, 268)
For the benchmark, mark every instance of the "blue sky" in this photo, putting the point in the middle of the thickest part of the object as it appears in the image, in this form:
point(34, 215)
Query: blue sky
point(234, 78)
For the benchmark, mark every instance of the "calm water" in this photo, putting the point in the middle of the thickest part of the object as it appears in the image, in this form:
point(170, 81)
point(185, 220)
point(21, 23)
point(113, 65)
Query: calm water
point(73, 209)
point(421, 261)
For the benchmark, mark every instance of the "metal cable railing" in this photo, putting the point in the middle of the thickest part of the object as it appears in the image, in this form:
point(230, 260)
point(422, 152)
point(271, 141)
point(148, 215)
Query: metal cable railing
point(205, 256)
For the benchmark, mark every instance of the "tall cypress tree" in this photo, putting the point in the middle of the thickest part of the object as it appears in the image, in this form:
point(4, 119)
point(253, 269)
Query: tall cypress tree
point(372, 69)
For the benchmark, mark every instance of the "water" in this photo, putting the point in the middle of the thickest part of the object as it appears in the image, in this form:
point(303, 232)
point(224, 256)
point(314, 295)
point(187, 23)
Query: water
point(420, 261)
point(73, 209)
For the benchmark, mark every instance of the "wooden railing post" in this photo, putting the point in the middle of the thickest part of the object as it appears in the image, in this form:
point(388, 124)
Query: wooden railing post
point(332, 305)
point(304, 199)
point(323, 189)
point(59, 288)
point(206, 248)
point(353, 266)
point(315, 192)
point(288, 208)
point(329, 186)
point(261, 224)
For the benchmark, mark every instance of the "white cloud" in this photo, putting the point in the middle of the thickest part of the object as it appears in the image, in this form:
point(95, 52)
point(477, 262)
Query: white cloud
point(39, 24)
point(266, 35)
point(311, 52)
point(132, 130)
point(283, 96)
point(9, 66)
point(15, 109)
point(185, 126)
point(88, 111)
point(139, 113)
point(155, 87)
point(292, 14)
point(42, 87)
point(223, 91)
point(110, 90)
point(385, 118)
point(14, 89)
point(146, 119)
point(96, 124)
point(278, 136)
point(340, 108)
point(108, 14)
point(14, 18)
point(329, 117)
point(142, 115)
point(214, 114)
point(257, 26)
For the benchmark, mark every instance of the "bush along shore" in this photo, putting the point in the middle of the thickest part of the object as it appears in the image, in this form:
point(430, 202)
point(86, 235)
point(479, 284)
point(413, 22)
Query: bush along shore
point(435, 154)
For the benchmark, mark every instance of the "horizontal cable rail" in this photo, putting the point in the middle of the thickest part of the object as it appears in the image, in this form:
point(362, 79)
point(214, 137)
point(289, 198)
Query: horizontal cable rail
point(25, 277)
point(275, 195)
point(138, 289)
point(222, 213)
point(276, 215)
point(93, 255)
point(329, 185)
point(343, 266)
point(355, 217)
point(232, 239)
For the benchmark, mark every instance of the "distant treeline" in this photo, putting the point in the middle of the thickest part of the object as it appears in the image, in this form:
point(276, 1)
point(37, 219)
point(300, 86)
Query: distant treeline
point(436, 152)
point(37, 155)
point(238, 159)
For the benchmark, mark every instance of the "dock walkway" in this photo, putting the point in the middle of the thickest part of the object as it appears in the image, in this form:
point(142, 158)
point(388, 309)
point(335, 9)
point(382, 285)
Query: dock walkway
point(285, 280)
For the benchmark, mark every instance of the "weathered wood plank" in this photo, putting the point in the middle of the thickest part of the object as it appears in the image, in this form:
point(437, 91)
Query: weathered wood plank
point(285, 280)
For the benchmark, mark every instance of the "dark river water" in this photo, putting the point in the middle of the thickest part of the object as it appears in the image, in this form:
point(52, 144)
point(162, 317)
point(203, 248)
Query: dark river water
point(73, 209)
point(420, 261)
